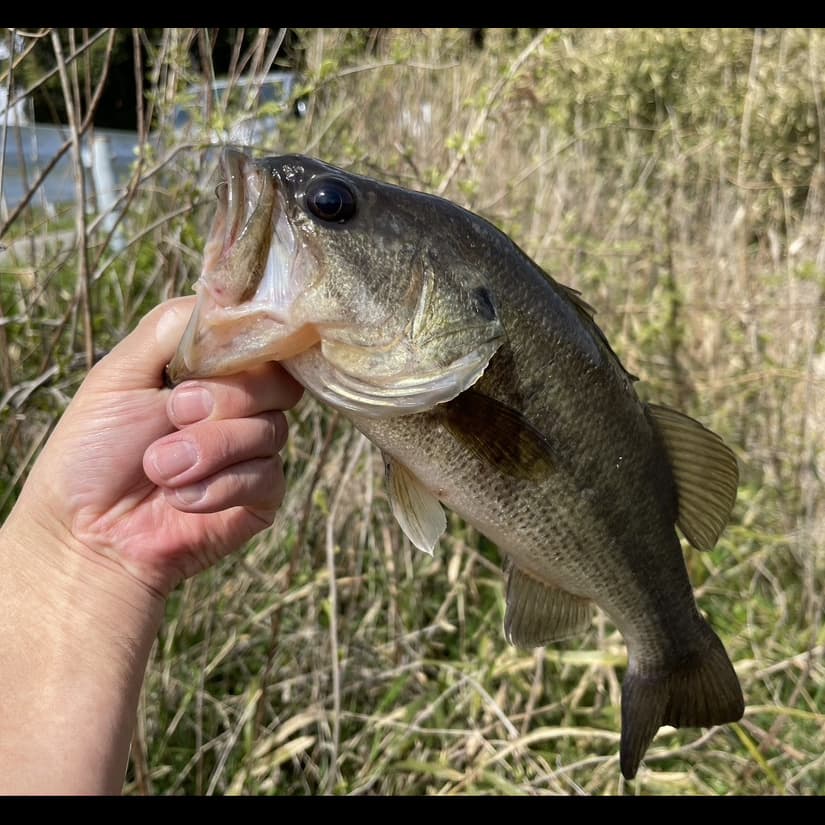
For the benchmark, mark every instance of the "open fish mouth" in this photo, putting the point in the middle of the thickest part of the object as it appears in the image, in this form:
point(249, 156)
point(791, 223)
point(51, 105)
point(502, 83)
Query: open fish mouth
point(239, 240)
point(248, 281)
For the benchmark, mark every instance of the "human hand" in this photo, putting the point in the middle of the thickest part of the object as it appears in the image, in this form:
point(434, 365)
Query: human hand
point(103, 529)
point(161, 482)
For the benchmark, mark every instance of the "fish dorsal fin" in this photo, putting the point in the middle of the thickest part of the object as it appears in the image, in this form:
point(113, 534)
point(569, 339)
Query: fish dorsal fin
point(585, 310)
point(415, 508)
point(706, 475)
point(538, 613)
point(498, 435)
point(587, 314)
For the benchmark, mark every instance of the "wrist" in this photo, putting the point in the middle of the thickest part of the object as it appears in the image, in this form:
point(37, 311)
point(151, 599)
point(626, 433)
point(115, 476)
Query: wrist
point(75, 636)
point(71, 582)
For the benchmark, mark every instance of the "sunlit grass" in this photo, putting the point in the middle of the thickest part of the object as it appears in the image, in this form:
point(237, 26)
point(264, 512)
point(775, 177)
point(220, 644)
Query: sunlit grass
point(672, 176)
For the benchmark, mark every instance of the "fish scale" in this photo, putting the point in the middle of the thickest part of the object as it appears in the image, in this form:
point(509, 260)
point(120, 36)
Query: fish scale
point(491, 390)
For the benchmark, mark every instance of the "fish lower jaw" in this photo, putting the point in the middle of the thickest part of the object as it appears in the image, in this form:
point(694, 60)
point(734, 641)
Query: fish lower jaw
point(219, 316)
point(255, 338)
point(225, 340)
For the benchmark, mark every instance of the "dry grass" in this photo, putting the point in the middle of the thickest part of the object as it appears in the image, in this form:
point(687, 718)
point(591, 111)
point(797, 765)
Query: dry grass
point(677, 178)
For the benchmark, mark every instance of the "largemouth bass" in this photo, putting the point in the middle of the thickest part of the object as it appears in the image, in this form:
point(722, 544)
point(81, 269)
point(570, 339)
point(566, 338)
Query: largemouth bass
point(490, 389)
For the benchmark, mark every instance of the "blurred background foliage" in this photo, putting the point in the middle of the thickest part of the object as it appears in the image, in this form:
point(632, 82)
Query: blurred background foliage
point(675, 176)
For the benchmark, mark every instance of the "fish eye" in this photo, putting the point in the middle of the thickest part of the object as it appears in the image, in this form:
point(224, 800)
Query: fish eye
point(330, 199)
point(220, 189)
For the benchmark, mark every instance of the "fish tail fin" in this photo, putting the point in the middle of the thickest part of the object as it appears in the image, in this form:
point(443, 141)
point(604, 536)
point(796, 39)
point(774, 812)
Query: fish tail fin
point(702, 689)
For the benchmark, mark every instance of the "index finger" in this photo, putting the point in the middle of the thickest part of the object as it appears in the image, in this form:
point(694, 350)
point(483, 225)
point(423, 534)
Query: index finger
point(260, 389)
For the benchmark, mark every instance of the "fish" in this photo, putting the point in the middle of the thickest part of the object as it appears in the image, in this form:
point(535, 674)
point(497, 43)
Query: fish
point(490, 390)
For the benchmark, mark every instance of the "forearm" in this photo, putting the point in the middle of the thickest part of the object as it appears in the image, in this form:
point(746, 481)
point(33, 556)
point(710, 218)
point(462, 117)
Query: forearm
point(75, 636)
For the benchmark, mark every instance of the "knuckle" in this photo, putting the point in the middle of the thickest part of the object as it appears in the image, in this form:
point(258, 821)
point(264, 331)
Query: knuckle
point(223, 443)
point(262, 484)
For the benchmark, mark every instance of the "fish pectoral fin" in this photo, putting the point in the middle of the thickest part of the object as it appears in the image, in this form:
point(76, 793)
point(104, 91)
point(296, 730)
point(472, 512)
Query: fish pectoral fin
point(706, 475)
point(700, 690)
point(417, 510)
point(498, 435)
point(538, 613)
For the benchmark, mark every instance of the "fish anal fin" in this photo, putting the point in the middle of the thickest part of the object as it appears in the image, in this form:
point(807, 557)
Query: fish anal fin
point(699, 691)
point(498, 434)
point(538, 613)
point(417, 510)
point(705, 472)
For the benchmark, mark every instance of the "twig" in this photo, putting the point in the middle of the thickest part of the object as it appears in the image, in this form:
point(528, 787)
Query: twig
point(482, 116)
point(24, 464)
point(84, 127)
point(73, 56)
point(19, 394)
point(333, 610)
point(744, 131)
point(142, 234)
point(535, 691)
point(24, 202)
point(138, 752)
point(16, 59)
point(8, 110)
point(83, 282)
point(231, 740)
point(300, 541)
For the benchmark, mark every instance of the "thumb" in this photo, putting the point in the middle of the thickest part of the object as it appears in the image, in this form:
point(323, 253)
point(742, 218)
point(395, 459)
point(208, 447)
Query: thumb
point(138, 361)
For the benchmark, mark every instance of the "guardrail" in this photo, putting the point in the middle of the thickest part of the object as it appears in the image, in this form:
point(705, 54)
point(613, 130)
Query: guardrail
point(108, 156)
